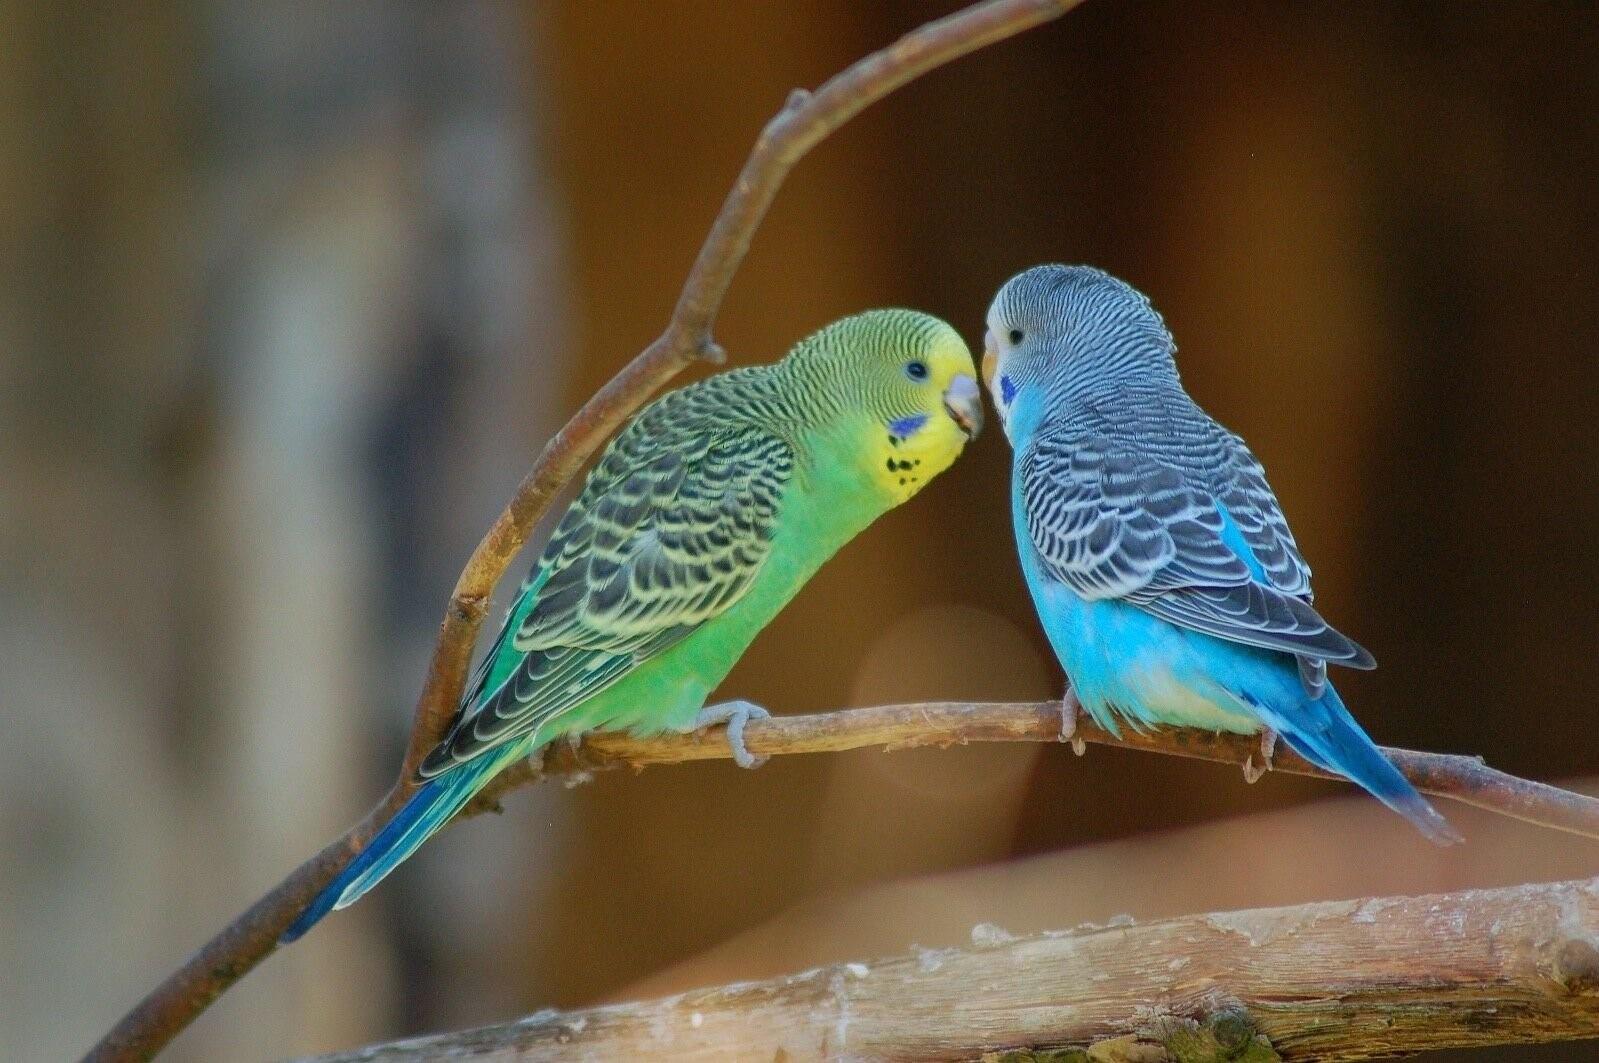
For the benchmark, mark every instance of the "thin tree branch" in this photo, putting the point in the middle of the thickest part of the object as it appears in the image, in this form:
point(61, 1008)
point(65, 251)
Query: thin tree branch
point(1464, 779)
point(1340, 980)
point(803, 122)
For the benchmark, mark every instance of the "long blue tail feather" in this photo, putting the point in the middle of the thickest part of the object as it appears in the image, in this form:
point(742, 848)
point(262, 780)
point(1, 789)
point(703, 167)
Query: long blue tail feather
point(429, 809)
point(1324, 733)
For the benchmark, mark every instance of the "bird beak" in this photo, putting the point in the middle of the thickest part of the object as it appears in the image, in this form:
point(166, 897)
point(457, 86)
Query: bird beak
point(965, 404)
point(990, 360)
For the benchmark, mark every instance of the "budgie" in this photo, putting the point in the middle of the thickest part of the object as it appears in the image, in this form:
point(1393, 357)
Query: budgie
point(1156, 554)
point(699, 522)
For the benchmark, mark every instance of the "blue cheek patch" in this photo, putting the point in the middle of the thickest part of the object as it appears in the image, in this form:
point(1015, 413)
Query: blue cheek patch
point(1007, 390)
point(905, 427)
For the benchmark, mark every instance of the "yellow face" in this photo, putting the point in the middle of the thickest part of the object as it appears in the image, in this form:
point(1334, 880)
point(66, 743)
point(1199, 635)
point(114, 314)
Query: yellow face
point(932, 409)
point(897, 394)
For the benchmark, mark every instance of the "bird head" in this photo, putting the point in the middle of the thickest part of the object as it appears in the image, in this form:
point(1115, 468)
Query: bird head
point(1055, 328)
point(913, 376)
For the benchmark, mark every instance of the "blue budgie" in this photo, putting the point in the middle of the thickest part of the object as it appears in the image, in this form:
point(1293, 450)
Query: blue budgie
point(1160, 563)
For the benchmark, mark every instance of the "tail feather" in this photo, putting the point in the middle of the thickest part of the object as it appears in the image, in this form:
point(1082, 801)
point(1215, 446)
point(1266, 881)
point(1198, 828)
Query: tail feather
point(429, 809)
point(1325, 734)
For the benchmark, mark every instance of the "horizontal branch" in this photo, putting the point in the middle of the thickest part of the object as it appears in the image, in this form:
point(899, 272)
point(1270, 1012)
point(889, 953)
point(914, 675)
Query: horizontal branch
point(1328, 981)
point(1464, 779)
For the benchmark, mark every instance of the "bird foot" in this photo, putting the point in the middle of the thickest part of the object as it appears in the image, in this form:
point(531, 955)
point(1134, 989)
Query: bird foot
point(735, 714)
point(1268, 745)
point(1070, 710)
point(573, 740)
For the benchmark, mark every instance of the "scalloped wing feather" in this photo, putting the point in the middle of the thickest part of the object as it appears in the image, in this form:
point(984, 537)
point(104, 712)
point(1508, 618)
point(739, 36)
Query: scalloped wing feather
point(670, 530)
point(1111, 520)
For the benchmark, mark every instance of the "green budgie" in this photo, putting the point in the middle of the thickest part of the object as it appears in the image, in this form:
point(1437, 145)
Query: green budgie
point(701, 520)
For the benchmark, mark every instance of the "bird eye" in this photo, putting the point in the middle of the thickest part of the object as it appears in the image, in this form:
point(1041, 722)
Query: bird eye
point(1015, 336)
point(916, 370)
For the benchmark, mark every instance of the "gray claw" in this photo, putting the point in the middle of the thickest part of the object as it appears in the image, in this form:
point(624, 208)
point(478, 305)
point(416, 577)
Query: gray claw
point(735, 714)
point(573, 740)
point(1268, 746)
point(574, 746)
point(1070, 708)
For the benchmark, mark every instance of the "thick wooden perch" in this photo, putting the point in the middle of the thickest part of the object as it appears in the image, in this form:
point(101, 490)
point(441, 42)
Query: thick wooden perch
point(1348, 1000)
point(1341, 980)
point(804, 121)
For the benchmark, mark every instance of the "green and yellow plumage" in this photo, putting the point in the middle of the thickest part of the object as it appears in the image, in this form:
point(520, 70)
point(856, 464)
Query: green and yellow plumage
point(700, 521)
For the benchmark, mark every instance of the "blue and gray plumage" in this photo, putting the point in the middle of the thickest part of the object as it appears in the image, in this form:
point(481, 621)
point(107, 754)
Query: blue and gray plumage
point(1160, 562)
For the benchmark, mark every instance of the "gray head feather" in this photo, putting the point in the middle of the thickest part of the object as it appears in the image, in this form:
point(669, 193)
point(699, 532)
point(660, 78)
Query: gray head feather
point(1079, 328)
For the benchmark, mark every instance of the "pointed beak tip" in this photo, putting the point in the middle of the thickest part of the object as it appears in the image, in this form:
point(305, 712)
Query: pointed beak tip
point(964, 403)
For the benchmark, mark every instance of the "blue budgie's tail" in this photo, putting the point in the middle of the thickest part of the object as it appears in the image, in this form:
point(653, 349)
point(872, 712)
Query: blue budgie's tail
point(1324, 733)
point(429, 809)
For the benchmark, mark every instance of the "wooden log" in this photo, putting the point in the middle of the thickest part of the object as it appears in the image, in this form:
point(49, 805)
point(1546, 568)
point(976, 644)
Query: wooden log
point(1341, 980)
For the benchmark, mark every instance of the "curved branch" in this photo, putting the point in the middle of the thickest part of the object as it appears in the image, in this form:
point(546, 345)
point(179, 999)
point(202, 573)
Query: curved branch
point(1340, 980)
point(802, 123)
point(805, 120)
point(948, 723)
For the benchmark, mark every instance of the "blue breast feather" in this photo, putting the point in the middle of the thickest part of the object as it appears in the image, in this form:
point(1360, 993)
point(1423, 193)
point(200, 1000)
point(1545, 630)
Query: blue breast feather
point(1128, 666)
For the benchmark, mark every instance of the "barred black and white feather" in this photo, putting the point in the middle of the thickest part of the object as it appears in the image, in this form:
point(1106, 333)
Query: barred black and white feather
point(670, 530)
point(1133, 492)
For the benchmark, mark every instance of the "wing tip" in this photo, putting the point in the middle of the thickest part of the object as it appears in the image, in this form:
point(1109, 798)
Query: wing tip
point(1352, 655)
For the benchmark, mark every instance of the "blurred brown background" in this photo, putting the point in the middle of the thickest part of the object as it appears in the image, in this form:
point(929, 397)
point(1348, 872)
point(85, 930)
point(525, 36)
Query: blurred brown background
point(290, 293)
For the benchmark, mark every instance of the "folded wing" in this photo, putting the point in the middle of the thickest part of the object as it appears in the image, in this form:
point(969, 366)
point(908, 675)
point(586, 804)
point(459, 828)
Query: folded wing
point(670, 530)
point(1211, 553)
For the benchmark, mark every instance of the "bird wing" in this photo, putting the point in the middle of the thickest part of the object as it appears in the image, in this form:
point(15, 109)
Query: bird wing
point(1242, 489)
point(669, 531)
point(1255, 512)
point(1112, 521)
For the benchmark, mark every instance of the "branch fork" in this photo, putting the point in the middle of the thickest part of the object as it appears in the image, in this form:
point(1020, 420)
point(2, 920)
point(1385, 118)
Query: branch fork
point(1424, 1013)
point(804, 121)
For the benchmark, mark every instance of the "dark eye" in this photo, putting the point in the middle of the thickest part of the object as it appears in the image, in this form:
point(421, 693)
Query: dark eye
point(1015, 336)
point(916, 370)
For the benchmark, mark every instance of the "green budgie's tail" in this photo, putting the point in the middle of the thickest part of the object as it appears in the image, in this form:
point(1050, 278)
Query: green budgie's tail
point(429, 809)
